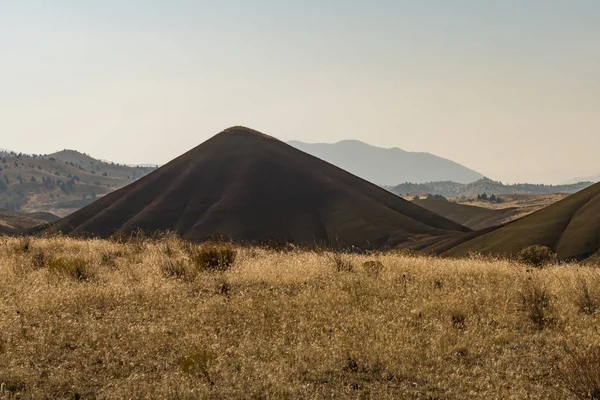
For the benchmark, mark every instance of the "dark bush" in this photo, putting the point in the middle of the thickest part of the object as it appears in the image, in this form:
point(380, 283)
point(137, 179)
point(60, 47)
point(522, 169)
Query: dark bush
point(213, 257)
point(537, 256)
point(373, 267)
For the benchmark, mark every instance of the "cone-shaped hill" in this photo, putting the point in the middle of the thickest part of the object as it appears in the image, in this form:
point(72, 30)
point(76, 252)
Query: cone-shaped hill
point(250, 187)
point(571, 227)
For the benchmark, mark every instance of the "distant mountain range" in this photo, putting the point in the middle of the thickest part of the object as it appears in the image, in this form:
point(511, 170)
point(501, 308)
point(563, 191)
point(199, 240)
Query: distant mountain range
point(485, 185)
point(388, 166)
point(61, 182)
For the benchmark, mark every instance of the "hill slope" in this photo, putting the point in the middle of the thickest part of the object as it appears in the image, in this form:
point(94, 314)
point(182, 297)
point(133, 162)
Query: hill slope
point(13, 222)
point(387, 166)
point(485, 185)
point(470, 216)
point(59, 183)
point(250, 187)
point(571, 227)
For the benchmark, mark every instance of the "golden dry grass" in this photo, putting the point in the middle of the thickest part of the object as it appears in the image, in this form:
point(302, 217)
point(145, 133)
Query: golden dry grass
point(139, 320)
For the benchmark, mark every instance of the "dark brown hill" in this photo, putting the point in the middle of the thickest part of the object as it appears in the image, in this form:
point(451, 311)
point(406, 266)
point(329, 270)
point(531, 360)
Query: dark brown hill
point(250, 187)
point(470, 216)
point(571, 227)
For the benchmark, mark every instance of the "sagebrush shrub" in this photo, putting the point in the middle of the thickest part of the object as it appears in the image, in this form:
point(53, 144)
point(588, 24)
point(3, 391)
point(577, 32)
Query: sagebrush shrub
point(537, 303)
point(537, 256)
point(213, 257)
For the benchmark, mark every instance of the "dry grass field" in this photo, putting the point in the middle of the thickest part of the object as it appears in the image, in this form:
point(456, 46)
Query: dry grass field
point(148, 319)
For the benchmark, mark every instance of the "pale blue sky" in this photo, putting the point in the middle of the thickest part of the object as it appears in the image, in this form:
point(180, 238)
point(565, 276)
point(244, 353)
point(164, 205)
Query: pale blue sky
point(509, 88)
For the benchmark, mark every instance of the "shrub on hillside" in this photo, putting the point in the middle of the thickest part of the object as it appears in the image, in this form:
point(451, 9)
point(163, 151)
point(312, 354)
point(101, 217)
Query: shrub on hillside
point(213, 257)
point(537, 256)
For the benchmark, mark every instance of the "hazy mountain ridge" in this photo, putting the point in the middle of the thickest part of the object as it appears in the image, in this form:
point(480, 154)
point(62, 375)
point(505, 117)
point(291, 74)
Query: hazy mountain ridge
point(61, 182)
point(388, 166)
point(485, 185)
point(595, 178)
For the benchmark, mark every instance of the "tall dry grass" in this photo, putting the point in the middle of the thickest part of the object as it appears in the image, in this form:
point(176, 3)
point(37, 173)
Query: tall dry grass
point(98, 319)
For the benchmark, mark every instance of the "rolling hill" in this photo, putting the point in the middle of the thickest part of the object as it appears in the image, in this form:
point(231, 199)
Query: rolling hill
point(59, 183)
point(571, 227)
point(485, 185)
point(388, 166)
point(470, 216)
point(14, 221)
point(249, 187)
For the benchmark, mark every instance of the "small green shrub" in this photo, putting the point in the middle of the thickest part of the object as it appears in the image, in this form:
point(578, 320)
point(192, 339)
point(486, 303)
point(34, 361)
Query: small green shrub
point(77, 269)
point(537, 256)
point(213, 257)
point(579, 373)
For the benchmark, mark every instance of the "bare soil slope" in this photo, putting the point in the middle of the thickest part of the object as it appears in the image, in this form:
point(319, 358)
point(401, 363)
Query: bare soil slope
point(250, 187)
point(571, 227)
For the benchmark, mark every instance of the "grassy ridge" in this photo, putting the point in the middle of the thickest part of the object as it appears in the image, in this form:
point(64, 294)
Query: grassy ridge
point(99, 319)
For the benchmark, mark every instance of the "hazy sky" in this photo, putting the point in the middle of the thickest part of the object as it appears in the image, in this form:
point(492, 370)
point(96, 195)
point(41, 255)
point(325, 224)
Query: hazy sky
point(509, 88)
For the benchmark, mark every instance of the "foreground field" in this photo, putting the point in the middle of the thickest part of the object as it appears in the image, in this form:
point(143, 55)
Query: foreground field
point(97, 319)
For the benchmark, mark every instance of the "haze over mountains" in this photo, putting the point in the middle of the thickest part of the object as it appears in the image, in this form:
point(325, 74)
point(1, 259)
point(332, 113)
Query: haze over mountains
point(593, 178)
point(250, 187)
point(388, 166)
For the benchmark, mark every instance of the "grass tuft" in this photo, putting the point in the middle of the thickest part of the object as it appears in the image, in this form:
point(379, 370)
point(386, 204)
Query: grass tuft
point(77, 269)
